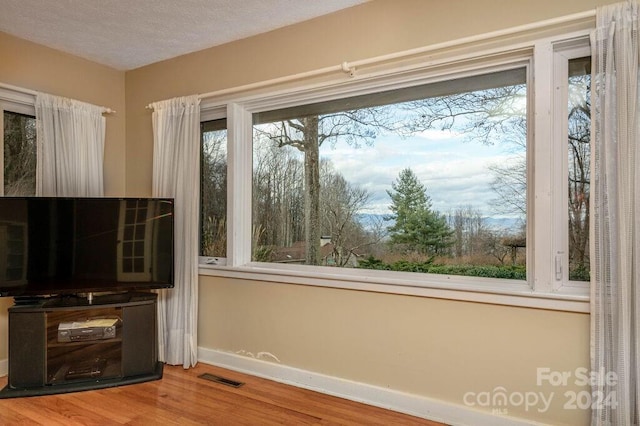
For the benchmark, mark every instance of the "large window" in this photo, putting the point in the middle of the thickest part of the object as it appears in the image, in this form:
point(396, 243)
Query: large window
point(19, 154)
point(466, 179)
point(426, 179)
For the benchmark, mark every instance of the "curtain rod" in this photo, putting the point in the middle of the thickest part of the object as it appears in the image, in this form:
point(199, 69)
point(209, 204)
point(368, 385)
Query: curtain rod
point(350, 67)
point(24, 91)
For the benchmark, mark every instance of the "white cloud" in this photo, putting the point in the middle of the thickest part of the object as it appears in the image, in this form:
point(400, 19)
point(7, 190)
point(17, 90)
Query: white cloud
point(454, 172)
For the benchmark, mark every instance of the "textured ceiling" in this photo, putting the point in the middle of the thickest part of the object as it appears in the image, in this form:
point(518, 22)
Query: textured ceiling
point(127, 34)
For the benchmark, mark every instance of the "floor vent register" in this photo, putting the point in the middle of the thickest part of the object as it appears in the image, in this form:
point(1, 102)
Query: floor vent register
point(221, 380)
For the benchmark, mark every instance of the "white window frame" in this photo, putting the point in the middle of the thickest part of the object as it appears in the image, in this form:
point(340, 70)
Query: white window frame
point(18, 102)
point(545, 210)
point(209, 114)
point(562, 53)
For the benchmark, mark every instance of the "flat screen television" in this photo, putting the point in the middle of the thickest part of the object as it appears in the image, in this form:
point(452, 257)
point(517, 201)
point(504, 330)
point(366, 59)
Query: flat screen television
point(66, 246)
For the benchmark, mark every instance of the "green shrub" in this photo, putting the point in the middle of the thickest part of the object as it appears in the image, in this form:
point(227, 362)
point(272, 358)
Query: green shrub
point(373, 263)
point(580, 274)
point(486, 271)
point(489, 271)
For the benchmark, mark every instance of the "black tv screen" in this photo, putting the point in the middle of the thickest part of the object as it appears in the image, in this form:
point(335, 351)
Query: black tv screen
point(53, 246)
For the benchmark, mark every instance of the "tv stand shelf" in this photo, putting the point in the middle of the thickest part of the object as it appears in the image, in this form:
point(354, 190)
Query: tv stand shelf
point(57, 346)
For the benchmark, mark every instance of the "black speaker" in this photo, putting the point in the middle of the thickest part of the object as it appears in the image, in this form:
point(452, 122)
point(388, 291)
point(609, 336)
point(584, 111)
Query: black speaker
point(27, 341)
point(139, 339)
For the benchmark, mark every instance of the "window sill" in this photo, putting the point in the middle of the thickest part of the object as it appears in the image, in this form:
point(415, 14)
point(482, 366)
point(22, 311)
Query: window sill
point(470, 289)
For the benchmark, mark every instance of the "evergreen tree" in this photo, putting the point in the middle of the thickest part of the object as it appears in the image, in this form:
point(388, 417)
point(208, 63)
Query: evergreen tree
point(416, 226)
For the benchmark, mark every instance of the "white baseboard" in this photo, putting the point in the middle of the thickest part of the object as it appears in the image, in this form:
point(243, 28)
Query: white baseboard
point(414, 405)
point(4, 367)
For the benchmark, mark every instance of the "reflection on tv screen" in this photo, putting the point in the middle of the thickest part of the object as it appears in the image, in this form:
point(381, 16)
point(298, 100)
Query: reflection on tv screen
point(73, 245)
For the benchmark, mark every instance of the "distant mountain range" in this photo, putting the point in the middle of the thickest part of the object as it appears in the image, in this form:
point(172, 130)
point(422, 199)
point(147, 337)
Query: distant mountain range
point(370, 221)
point(503, 223)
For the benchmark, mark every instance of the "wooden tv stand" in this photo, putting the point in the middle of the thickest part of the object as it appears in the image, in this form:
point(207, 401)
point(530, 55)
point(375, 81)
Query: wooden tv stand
point(47, 358)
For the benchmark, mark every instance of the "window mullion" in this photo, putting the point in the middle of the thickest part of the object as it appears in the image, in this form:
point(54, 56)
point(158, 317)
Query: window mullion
point(541, 215)
point(239, 183)
point(560, 172)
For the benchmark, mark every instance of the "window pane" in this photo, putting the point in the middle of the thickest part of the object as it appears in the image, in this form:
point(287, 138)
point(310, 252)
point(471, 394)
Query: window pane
point(19, 154)
point(213, 189)
point(139, 231)
point(579, 138)
point(127, 265)
point(426, 179)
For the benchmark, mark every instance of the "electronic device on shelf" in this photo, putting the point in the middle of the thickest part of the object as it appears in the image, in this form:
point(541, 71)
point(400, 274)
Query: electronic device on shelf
point(91, 329)
point(71, 246)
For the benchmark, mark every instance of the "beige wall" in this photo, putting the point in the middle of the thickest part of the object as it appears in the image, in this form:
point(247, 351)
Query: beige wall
point(31, 66)
point(434, 348)
point(439, 349)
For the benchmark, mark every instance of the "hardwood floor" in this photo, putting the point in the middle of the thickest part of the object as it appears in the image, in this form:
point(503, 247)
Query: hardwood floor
point(181, 398)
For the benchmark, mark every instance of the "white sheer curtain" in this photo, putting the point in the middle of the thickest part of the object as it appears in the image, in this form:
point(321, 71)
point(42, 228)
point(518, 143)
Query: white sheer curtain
point(70, 147)
point(615, 294)
point(176, 174)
